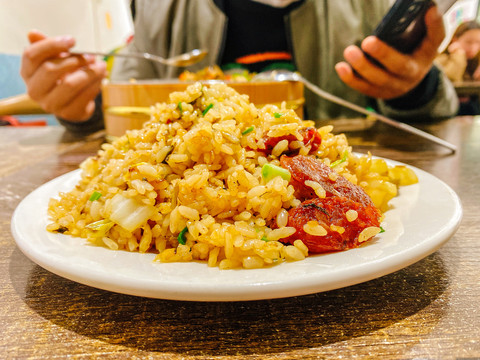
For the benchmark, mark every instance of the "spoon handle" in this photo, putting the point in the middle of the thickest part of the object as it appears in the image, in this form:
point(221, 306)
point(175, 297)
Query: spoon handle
point(391, 122)
point(146, 56)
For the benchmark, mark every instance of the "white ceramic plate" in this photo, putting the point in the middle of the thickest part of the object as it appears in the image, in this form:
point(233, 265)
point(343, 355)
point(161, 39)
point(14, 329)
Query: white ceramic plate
point(423, 217)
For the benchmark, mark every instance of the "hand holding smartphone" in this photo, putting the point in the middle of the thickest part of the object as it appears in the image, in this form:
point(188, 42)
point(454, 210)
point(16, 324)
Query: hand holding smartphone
point(403, 27)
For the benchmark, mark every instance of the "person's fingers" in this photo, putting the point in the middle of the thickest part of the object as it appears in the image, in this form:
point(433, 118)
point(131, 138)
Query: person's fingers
point(368, 75)
point(35, 35)
point(351, 78)
point(83, 106)
point(42, 50)
point(68, 91)
point(347, 75)
point(397, 64)
point(428, 50)
point(48, 74)
point(355, 57)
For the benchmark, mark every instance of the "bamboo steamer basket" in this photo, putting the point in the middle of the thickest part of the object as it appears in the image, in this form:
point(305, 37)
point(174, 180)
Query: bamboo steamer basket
point(126, 104)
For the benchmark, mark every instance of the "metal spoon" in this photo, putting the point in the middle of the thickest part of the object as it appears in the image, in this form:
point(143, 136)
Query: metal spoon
point(282, 75)
point(182, 60)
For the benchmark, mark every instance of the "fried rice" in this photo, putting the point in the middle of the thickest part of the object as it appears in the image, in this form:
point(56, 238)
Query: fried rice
point(191, 184)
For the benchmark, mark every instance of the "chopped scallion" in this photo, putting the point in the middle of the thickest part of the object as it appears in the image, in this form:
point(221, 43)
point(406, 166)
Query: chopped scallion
point(343, 159)
point(277, 115)
point(248, 130)
point(269, 171)
point(179, 105)
point(207, 109)
point(181, 237)
point(95, 196)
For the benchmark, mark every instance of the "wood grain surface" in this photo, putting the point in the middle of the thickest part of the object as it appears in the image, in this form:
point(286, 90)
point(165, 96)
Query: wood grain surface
point(429, 310)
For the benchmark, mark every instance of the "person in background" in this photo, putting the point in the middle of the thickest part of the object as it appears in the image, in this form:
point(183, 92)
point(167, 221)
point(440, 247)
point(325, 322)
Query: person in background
point(325, 40)
point(460, 62)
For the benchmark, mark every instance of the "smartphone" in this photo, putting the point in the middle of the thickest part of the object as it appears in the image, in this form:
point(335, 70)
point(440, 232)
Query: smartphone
point(403, 26)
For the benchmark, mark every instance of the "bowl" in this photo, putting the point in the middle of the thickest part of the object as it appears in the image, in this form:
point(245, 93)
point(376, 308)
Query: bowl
point(126, 104)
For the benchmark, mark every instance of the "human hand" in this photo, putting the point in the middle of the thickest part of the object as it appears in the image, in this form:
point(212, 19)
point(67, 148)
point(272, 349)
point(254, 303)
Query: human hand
point(455, 46)
point(63, 84)
point(401, 72)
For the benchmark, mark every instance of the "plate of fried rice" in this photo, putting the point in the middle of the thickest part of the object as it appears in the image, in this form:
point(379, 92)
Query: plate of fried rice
point(215, 199)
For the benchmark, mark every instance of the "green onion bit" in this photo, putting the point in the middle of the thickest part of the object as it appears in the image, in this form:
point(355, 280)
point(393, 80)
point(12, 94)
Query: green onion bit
point(206, 109)
point(343, 159)
point(248, 130)
point(269, 171)
point(181, 237)
point(95, 196)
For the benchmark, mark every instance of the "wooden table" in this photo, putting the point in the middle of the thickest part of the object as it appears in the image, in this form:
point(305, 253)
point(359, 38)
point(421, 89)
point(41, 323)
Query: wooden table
point(429, 310)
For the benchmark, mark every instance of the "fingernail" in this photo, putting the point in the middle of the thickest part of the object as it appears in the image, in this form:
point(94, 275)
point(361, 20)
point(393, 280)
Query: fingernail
point(340, 69)
point(89, 57)
point(100, 66)
point(66, 40)
point(370, 44)
point(352, 53)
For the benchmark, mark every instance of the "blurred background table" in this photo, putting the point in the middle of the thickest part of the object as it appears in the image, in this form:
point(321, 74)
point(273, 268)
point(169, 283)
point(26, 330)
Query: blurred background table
point(467, 88)
point(428, 310)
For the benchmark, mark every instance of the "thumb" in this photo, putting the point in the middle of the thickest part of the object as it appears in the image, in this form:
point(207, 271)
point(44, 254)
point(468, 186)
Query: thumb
point(35, 35)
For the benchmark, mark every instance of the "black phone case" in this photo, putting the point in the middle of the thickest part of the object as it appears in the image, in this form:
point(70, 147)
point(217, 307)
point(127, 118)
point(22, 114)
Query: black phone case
point(403, 27)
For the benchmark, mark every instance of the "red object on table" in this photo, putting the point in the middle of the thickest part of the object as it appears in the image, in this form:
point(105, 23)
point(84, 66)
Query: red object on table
point(8, 120)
